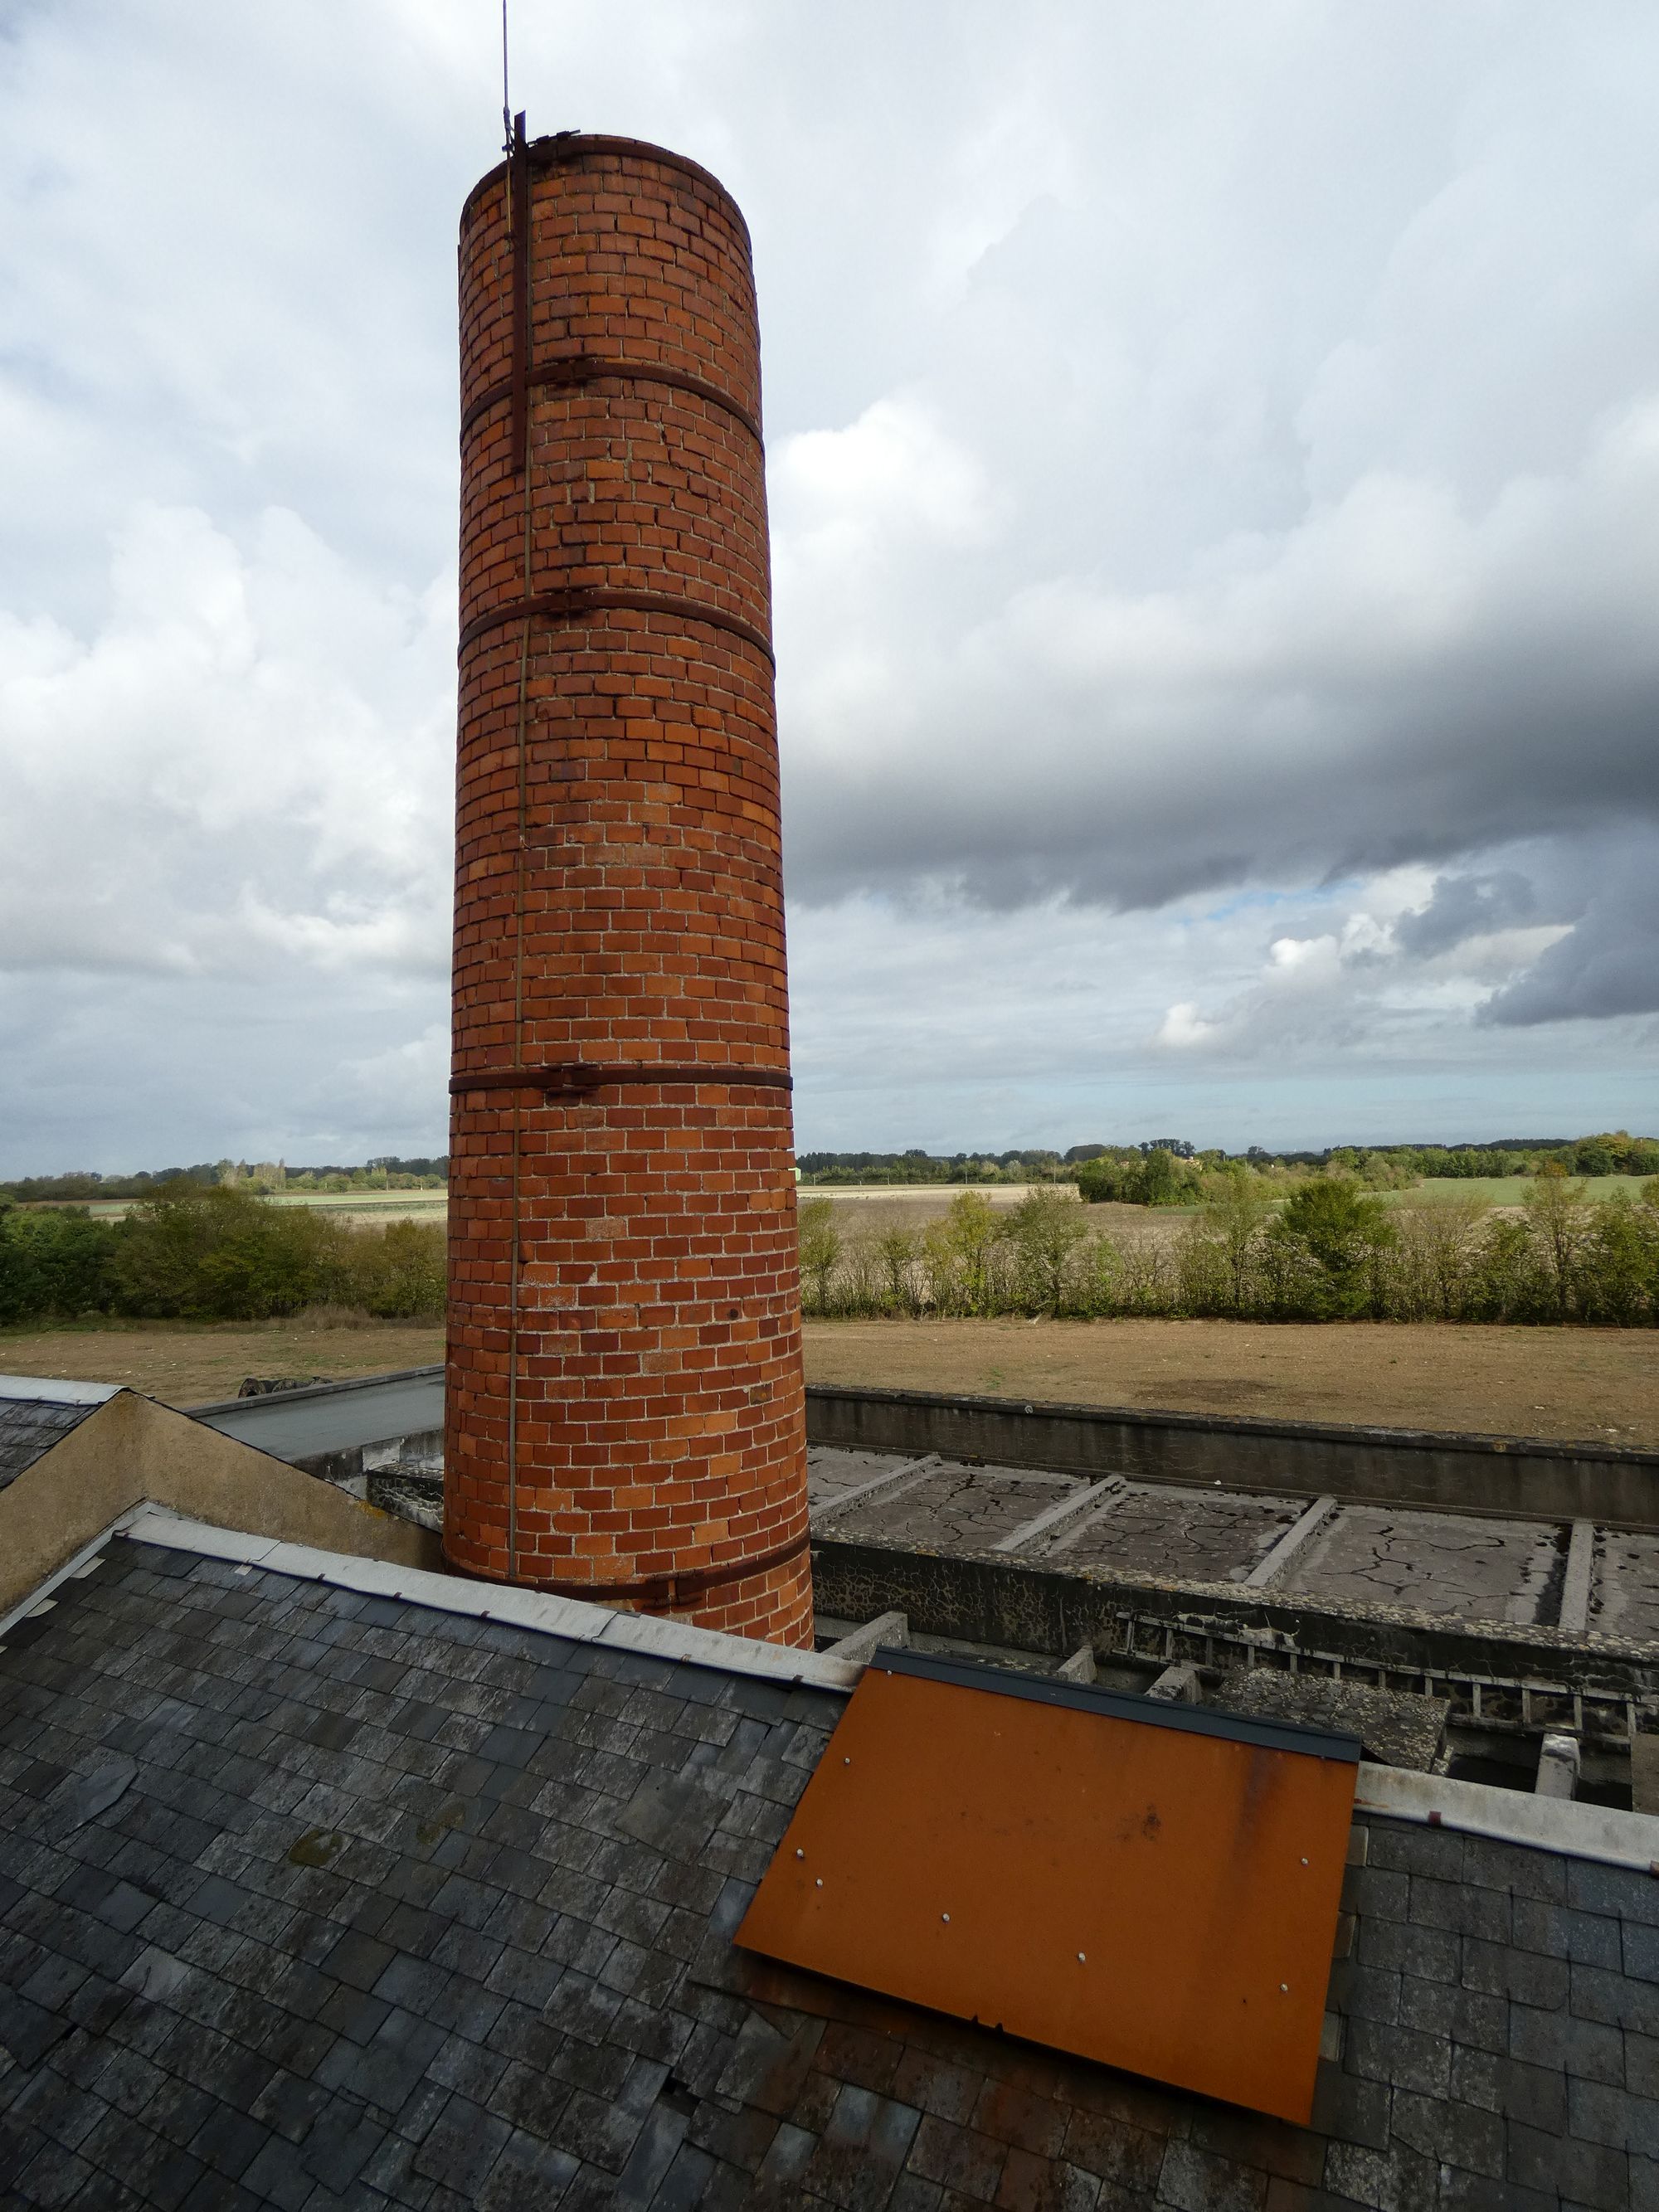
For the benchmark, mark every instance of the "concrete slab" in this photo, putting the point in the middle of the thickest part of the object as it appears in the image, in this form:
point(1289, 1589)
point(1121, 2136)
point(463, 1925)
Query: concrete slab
point(1396, 1728)
point(1436, 1563)
point(956, 1508)
point(1202, 1535)
point(1624, 1586)
point(832, 1472)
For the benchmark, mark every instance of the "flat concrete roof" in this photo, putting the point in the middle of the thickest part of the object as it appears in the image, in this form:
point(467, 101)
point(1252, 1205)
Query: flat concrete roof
point(333, 1417)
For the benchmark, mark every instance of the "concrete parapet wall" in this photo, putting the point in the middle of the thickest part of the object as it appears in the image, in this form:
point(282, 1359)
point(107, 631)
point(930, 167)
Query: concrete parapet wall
point(1516, 1477)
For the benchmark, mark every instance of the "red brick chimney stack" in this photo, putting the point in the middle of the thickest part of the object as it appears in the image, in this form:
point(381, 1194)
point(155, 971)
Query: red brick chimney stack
point(626, 1415)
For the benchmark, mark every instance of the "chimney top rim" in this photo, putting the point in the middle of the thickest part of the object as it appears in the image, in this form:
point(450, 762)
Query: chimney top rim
point(554, 149)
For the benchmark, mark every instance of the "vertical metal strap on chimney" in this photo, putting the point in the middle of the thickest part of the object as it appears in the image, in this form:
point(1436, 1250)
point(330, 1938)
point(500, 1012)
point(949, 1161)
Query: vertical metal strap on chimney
point(519, 230)
point(518, 275)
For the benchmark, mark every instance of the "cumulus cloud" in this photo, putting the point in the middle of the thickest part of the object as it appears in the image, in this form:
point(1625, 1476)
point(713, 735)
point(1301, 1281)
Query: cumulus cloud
point(244, 769)
point(1214, 457)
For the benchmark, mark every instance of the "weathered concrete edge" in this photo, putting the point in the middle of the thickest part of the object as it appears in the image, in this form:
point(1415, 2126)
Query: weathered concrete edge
point(1029, 1604)
point(1517, 1478)
point(520, 1608)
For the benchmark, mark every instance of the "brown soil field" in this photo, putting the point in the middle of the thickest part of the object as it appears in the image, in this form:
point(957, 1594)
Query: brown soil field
point(1600, 1384)
point(1578, 1383)
point(192, 1363)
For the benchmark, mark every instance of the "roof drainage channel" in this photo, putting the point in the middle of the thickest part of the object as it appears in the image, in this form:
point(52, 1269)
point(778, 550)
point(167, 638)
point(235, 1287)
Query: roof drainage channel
point(503, 1602)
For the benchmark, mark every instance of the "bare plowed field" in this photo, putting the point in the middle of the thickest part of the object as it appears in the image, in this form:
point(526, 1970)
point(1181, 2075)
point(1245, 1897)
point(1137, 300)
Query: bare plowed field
point(191, 1363)
point(1560, 1383)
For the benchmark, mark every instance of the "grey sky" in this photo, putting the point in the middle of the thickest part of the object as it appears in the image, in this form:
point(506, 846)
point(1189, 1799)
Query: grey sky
point(1215, 473)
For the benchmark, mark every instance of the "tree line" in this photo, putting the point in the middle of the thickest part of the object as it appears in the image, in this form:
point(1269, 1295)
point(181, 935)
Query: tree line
point(1165, 1170)
point(86, 1186)
point(195, 1251)
point(1328, 1250)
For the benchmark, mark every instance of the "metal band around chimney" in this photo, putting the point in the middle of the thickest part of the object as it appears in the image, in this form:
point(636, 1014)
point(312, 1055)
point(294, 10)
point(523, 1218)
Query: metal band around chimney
point(655, 1592)
point(576, 602)
point(569, 370)
point(573, 1079)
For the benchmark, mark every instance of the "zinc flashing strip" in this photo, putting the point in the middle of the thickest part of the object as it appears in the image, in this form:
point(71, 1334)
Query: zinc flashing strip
point(570, 1618)
point(49, 1390)
point(1564, 1826)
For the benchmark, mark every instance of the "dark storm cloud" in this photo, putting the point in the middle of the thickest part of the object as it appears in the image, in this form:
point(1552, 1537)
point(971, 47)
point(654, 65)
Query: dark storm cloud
point(1608, 964)
point(1463, 907)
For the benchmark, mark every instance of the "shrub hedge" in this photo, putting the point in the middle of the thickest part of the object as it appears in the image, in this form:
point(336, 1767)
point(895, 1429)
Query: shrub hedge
point(198, 1253)
point(1329, 1251)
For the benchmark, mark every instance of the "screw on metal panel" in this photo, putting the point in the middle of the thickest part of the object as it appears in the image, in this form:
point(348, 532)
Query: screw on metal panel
point(1082, 1959)
point(1284, 1989)
point(847, 1762)
point(819, 1884)
point(946, 1917)
point(800, 1854)
point(1304, 1863)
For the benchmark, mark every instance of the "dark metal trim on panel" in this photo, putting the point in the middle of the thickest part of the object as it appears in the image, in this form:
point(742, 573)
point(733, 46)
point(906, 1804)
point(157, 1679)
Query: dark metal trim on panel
point(575, 1078)
point(576, 602)
point(1118, 1704)
point(580, 369)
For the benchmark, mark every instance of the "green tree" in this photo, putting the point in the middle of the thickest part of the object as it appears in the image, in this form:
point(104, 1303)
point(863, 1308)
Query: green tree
point(1237, 1205)
point(1559, 1217)
point(820, 1246)
point(897, 1250)
point(56, 1263)
point(1045, 1229)
point(961, 1252)
point(1344, 1233)
point(219, 1252)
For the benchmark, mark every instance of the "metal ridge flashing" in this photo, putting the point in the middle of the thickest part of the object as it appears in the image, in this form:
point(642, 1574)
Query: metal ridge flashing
point(1601, 1833)
point(504, 1602)
point(313, 1390)
point(48, 1390)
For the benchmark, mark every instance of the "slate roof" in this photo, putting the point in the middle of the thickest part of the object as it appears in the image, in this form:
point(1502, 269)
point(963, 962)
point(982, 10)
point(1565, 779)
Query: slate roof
point(312, 1898)
point(29, 1427)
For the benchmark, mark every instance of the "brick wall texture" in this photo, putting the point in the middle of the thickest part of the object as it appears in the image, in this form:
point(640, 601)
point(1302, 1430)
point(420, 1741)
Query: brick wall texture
point(626, 1415)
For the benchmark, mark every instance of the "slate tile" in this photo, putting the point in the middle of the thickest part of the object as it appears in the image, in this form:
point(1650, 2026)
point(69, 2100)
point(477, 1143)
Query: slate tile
point(690, 2183)
point(462, 2146)
point(1031, 2184)
point(386, 2070)
point(528, 2176)
point(53, 2176)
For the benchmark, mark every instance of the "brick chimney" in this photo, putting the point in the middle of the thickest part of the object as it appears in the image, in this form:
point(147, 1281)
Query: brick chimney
point(626, 1415)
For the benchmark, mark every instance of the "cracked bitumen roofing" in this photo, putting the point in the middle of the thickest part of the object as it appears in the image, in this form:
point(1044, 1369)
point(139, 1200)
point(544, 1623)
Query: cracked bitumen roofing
point(312, 1898)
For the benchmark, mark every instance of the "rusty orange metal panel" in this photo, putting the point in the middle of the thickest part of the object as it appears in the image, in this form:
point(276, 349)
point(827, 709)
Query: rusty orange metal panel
point(1155, 1888)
